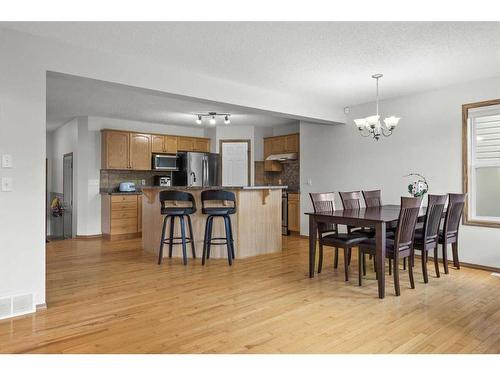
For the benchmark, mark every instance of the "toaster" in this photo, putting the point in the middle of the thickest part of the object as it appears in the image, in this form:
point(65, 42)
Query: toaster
point(127, 186)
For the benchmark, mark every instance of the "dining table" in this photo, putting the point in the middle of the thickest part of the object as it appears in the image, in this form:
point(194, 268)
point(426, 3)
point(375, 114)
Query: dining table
point(380, 218)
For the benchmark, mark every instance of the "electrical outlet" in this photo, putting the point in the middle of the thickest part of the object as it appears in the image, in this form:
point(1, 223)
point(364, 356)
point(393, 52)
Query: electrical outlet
point(143, 182)
point(6, 183)
point(309, 181)
point(6, 161)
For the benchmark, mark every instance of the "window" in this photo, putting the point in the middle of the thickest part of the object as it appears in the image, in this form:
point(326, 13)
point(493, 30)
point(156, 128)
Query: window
point(481, 162)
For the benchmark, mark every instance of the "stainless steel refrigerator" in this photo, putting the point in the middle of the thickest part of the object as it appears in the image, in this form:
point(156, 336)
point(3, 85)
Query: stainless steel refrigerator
point(197, 169)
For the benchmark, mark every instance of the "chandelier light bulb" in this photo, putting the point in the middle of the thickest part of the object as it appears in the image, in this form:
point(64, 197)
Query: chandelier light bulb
point(212, 120)
point(226, 120)
point(198, 120)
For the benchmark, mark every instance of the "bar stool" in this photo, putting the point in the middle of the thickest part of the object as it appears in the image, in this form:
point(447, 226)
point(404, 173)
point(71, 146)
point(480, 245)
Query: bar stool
point(220, 211)
point(172, 212)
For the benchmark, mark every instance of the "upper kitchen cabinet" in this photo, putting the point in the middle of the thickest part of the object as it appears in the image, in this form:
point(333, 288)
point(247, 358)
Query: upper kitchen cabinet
point(163, 144)
point(291, 143)
point(125, 150)
point(115, 150)
point(140, 151)
point(194, 144)
point(277, 145)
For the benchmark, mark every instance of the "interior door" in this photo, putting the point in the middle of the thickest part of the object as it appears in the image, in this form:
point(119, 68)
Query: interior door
point(68, 195)
point(235, 164)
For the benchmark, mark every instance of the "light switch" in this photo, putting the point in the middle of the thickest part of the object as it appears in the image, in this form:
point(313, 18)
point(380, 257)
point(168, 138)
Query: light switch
point(6, 161)
point(6, 183)
point(309, 181)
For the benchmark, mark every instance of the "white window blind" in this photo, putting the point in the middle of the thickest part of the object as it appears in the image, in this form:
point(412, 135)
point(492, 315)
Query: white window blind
point(484, 163)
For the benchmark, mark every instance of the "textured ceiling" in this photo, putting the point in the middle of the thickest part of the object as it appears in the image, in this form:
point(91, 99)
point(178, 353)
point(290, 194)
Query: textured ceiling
point(70, 96)
point(329, 60)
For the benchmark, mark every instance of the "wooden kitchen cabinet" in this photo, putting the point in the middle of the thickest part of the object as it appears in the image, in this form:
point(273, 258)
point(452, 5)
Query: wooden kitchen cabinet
point(194, 144)
point(185, 144)
point(291, 143)
point(277, 145)
point(140, 152)
point(294, 212)
point(272, 166)
point(163, 144)
point(115, 152)
point(121, 216)
point(201, 144)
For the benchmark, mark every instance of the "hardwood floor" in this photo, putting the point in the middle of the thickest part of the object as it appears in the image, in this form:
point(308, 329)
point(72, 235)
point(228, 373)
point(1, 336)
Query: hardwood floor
point(110, 297)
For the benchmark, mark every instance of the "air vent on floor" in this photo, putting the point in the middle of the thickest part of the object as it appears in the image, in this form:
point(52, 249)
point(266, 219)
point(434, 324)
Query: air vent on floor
point(16, 305)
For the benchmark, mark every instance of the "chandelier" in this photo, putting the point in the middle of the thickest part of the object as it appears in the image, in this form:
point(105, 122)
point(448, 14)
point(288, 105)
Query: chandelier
point(212, 115)
point(371, 126)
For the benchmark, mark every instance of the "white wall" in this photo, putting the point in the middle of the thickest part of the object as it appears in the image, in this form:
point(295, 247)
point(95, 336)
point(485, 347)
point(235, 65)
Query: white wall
point(261, 132)
point(427, 141)
point(286, 129)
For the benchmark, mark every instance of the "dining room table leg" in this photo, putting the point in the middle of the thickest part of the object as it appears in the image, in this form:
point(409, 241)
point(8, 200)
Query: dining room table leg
point(313, 230)
point(380, 257)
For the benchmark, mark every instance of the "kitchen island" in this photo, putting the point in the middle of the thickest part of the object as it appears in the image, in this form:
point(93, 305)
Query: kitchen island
point(256, 223)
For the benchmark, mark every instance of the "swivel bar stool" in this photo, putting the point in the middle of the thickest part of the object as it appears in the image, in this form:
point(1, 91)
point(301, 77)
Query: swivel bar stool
point(219, 211)
point(173, 212)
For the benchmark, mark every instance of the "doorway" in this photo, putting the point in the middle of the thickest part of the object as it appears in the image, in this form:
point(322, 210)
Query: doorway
point(68, 195)
point(236, 159)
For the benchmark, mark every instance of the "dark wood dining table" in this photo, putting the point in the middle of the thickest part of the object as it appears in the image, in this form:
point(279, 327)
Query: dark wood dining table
point(379, 218)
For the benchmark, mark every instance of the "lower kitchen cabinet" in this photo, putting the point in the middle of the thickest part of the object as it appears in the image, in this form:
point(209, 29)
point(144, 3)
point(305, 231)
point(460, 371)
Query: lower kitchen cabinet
point(294, 212)
point(121, 216)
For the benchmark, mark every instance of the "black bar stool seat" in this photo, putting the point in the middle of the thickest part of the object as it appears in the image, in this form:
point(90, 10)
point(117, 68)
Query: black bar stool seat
point(172, 212)
point(224, 212)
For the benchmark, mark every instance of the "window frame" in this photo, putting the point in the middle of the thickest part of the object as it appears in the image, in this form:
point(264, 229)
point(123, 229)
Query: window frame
point(466, 156)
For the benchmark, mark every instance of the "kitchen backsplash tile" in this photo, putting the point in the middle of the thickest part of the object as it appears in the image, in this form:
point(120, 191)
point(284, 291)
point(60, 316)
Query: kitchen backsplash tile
point(290, 175)
point(110, 179)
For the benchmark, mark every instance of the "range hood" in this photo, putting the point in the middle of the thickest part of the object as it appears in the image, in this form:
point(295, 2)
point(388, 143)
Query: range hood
point(283, 157)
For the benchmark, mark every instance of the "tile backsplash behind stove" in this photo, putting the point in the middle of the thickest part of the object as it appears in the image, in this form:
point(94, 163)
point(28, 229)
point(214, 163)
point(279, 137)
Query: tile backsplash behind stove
point(110, 179)
point(290, 175)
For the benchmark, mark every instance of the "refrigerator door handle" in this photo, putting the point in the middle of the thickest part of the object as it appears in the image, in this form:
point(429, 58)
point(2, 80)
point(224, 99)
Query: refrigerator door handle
point(206, 182)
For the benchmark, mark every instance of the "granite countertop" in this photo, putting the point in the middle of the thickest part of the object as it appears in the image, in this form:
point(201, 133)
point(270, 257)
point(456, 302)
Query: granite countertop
point(116, 192)
point(261, 187)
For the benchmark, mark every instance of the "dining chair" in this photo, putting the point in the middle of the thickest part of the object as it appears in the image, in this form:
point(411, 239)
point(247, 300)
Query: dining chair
point(401, 246)
point(351, 200)
point(328, 234)
point(373, 198)
point(449, 234)
point(427, 238)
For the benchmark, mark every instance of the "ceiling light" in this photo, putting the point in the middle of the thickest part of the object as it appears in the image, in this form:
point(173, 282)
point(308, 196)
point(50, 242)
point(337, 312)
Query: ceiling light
point(212, 120)
point(226, 120)
point(371, 126)
point(198, 120)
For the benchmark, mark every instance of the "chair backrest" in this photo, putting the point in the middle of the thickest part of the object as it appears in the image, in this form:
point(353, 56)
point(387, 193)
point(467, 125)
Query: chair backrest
point(435, 208)
point(454, 212)
point(176, 196)
point(408, 215)
point(324, 202)
point(373, 198)
point(218, 195)
point(350, 200)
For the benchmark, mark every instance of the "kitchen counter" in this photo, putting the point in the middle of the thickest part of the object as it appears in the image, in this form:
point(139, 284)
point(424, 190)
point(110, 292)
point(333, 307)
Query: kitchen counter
point(114, 192)
point(256, 223)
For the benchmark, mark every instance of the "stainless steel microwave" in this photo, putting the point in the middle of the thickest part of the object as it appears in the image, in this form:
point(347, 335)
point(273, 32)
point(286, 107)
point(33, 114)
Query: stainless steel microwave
point(165, 162)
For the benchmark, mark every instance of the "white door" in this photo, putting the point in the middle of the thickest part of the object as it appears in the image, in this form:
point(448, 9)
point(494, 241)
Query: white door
point(235, 164)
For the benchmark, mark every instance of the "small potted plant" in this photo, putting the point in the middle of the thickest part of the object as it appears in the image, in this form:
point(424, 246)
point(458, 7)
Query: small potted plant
point(419, 187)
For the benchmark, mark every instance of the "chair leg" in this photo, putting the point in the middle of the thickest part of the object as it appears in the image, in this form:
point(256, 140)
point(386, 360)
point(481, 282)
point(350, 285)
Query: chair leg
point(390, 266)
point(396, 276)
point(162, 241)
point(320, 254)
point(375, 267)
point(336, 258)
point(425, 255)
point(436, 261)
point(410, 272)
point(349, 257)
point(445, 257)
point(346, 263)
point(183, 237)
point(454, 248)
point(361, 264)
point(191, 236)
point(229, 255)
point(171, 236)
point(210, 226)
point(205, 241)
point(364, 264)
point(404, 264)
point(231, 234)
